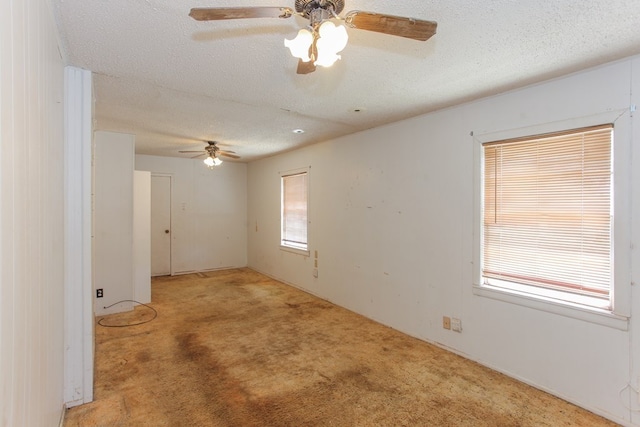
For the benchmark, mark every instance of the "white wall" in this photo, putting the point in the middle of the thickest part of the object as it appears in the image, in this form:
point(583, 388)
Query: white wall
point(31, 216)
point(208, 212)
point(113, 221)
point(392, 218)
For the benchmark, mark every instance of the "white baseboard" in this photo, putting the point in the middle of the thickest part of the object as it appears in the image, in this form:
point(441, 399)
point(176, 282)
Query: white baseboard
point(62, 415)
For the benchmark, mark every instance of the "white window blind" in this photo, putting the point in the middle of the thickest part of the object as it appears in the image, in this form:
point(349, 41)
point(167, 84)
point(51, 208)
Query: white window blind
point(547, 211)
point(294, 210)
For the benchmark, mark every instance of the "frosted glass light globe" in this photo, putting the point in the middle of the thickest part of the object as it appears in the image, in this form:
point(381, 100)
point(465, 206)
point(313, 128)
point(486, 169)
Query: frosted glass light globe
point(299, 46)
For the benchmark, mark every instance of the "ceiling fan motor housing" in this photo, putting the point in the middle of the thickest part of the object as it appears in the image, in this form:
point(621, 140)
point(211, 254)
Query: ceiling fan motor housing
point(212, 148)
point(305, 7)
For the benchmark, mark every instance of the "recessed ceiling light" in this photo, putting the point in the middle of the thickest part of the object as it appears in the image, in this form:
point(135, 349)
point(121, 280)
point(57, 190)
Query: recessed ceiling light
point(298, 131)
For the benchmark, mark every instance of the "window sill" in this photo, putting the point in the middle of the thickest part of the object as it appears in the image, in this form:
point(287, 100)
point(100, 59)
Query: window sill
point(598, 316)
point(298, 251)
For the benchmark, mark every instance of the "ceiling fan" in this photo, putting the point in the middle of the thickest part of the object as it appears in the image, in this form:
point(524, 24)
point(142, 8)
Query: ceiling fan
point(213, 152)
point(320, 44)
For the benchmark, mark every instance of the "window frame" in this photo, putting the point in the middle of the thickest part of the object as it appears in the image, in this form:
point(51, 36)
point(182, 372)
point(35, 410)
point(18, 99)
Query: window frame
point(288, 247)
point(618, 315)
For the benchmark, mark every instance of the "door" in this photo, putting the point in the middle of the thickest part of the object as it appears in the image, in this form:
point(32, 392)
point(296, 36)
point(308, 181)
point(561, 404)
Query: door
point(160, 225)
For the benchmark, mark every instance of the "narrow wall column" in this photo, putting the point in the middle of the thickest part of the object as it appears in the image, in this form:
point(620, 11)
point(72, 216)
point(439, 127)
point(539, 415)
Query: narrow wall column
point(78, 337)
point(113, 221)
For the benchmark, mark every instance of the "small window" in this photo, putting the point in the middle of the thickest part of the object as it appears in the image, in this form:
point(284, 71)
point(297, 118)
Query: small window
point(547, 216)
point(294, 210)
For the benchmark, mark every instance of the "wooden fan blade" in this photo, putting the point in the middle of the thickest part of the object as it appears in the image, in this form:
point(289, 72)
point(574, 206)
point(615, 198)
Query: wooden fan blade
point(198, 155)
point(394, 25)
point(190, 151)
point(305, 67)
point(220, 13)
point(227, 151)
point(226, 154)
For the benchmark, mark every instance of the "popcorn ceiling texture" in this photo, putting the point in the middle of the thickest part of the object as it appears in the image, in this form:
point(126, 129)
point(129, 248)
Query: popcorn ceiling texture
point(235, 348)
point(173, 81)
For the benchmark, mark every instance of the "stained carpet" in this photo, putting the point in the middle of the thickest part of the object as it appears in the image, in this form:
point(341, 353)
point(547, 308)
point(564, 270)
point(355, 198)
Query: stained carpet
point(236, 348)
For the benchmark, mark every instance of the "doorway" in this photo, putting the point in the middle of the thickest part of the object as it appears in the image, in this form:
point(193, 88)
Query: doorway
point(161, 225)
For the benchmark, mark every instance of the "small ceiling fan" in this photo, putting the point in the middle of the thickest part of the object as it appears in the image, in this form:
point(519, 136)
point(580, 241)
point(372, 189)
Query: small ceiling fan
point(320, 44)
point(214, 153)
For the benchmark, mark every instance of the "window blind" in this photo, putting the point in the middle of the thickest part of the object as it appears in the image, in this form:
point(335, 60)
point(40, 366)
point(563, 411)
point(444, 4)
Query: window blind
point(294, 210)
point(547, 211)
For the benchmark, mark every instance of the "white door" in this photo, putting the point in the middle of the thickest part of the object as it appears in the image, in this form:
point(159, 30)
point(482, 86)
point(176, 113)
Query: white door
point(160, 225)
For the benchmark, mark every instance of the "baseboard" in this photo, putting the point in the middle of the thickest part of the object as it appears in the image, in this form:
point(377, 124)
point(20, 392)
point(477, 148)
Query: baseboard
point(184, 273)
point(63, 414)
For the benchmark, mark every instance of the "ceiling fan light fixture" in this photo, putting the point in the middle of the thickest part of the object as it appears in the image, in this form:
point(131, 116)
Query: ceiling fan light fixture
point(329, 39)
point(334, 36)
point(299, 46)
point(332, 39)
point(212, 162)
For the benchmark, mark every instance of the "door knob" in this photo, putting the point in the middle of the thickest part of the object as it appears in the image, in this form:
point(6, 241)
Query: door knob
point(166, 231)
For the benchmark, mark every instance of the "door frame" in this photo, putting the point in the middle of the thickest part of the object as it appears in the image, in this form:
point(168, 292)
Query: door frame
point(170, 176)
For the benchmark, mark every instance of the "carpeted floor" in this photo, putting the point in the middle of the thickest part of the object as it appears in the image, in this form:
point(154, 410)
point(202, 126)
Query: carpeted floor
point(235, 348)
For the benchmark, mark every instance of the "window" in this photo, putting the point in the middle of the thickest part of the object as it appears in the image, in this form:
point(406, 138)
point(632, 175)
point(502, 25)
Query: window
point(547, 216)
point(294, 210)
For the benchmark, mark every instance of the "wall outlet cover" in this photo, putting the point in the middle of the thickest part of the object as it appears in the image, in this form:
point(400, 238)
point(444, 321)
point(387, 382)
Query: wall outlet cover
point(446, 322)
point(456, 325)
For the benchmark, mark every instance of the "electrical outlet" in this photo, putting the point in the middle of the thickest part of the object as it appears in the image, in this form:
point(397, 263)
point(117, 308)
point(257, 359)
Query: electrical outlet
point(446, 322)
point(315, 273)
point(456, 325)
point(99, 293)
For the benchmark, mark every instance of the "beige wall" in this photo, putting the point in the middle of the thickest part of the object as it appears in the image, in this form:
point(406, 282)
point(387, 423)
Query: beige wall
point(31, 216)
point(113, 268)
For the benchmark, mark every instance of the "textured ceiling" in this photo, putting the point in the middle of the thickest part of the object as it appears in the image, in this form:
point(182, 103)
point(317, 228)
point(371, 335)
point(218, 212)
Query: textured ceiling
point(174, 82)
